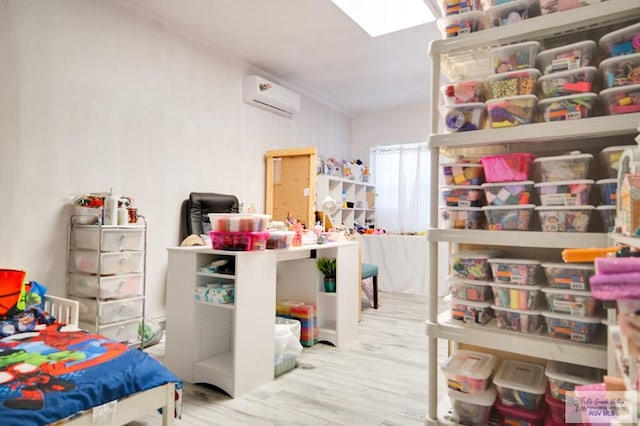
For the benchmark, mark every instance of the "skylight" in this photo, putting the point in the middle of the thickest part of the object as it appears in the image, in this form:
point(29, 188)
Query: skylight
point(378, 17)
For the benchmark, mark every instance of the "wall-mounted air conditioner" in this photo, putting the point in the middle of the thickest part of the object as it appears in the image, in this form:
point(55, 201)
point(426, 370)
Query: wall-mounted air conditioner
point(265, 94)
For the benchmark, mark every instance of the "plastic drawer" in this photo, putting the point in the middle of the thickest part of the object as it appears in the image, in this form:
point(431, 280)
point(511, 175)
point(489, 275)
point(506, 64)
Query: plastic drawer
point(110, 287)
point(94, 262)
point(110, 311)
point(125, 332)
point(88, 237)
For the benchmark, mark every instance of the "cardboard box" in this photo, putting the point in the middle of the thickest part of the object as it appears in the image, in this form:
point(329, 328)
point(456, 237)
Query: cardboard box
point(630, 204)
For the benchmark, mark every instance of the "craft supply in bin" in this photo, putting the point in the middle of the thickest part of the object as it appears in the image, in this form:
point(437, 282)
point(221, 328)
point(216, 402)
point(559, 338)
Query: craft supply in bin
point(574, 302)
point(462, 23)
point(464, 92)
point(471, 312)
point(514, 56)
point(473, 290)
point(507, 167)
point(236, 222)
point(463, 117)
point(621, 42)
point(462, 217)
point(516, 271)
point(564, 377)
point(608, 217)
point(508, 193)
point(512, 111)
point(564, 218)
point(570, 82)
point(621, 100)
point(519, 416)
point(562, 167)
point(573, 276)
point(520, 384)
point(568, 57)
point(454, 7)
point(552, 6)
point(280, 239)
point(469, 371)
point(472, 410)
point(523, 321)
point(609, 158)
point(620, 70)
point(513, 83)
point(512, 12)
point(509, 218)
point(572, 107)
point(608, 190)
point(564, 193)
point(239, 241)
point(572, 327)
point(462, 173)
point(472, 264)
point(462, 195)
point(514, 296)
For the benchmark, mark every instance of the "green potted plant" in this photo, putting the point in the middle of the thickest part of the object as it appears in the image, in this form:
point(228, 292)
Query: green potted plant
point(327, 266)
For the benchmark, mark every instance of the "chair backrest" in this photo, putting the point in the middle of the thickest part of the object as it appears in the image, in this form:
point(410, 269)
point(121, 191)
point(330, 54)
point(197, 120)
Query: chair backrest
point(195, 210)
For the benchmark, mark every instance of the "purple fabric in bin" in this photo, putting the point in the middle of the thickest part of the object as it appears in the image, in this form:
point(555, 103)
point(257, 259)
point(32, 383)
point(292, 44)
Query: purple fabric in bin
point(615, 286)
point(617, 265)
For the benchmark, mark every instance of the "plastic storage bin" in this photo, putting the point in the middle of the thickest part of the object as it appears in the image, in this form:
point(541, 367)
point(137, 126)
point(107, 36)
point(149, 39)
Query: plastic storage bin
point(569, 57)
point(514, 56)
point(608, 190)
point(469, 371)
point(514, 296)
point(574, 302)
point(462, 196)
point(621, 100)
point(280, 239)
point(513, 111)
point(462, 173)
point(570, 82)
point(523, 321)
point(454, 7)
point(113, 239)
point(609, 158)
point(235, 222)
point(573, 276)
point(564, 193)
point(463, 117)
point(84, 285)
point(511, 218)
point(552, 6)
point(464, 92)
point(572, 107)
point(508, 193)
point(121, 331)
point(462, 217)
point(471, 312)
point(520, 384)
point(472, 410)
point(516, 271)
point(556, 410)
point(563, 167)
point(621, 42)
point(473, 290)
point(564, 218)
point(472, 264)
point(239, 241)
point(512, 12)
point(608, 217)
point(564, 377)
point(571, 327)
point(110, 311)
point(507, 167)
point(620, 70)
point(519, 416)
point(462, 23)
point(93, 262)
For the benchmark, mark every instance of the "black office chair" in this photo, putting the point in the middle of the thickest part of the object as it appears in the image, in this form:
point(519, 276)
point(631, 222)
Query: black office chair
point(195, 210)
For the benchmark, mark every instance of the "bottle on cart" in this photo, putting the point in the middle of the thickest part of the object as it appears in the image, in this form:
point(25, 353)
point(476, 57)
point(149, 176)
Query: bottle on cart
point(111, 208)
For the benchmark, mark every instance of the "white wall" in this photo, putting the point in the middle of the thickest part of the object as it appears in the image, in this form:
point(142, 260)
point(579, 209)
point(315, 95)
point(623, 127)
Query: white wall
point(94, 96)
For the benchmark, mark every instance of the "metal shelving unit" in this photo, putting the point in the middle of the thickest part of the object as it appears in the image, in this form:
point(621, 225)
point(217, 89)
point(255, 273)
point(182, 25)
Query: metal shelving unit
point(467, 57)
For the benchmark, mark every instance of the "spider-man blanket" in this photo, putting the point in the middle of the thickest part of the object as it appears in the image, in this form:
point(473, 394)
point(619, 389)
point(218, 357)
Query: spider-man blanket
point(51, 374)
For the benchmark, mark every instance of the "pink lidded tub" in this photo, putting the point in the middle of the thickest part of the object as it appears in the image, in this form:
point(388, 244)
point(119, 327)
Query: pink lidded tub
point(507, 167)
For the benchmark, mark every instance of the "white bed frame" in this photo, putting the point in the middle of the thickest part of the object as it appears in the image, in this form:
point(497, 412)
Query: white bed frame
point(126, 409)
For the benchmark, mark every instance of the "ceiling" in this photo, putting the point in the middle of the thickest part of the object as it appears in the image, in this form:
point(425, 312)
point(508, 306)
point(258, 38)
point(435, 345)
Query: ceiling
point(309, 46)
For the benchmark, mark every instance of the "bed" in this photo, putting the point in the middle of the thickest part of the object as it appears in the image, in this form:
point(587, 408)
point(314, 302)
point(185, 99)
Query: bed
point(61, 375)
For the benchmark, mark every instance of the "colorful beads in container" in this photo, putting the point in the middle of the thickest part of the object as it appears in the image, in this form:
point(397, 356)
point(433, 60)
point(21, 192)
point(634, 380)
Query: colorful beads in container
point(513, 111)
point(473, 264)
point(513, 83)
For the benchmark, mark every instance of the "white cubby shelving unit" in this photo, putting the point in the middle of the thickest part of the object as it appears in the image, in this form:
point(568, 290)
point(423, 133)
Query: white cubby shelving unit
point(361, 194)
point(466, 57)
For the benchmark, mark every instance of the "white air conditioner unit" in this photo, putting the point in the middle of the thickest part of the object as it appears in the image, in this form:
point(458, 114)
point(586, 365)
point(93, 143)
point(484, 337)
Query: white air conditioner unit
point(265, 94)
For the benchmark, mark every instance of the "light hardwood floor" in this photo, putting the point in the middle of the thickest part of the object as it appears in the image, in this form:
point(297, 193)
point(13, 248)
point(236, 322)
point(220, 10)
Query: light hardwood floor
point(379, 379)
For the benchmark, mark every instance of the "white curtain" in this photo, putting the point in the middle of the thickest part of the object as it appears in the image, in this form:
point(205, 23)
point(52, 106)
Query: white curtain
point(401, 176)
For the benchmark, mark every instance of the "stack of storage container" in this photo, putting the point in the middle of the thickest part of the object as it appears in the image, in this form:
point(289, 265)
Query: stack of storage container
point(521, 387)
point(470, 286)
point(462, 195)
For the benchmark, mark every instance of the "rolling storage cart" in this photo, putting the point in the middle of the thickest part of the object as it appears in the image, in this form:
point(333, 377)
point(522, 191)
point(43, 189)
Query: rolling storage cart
point(467, 57)
point(106, 275)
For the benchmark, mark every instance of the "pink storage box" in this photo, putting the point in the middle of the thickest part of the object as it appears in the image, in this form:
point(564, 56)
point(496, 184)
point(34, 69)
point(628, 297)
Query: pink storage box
point(510, 415)
point(523, 321)
point(621, 100)
point(507, 167)
point(508, 193)
point(469, 371)
point(564, 193)
point(239, 241)
point(556, 408)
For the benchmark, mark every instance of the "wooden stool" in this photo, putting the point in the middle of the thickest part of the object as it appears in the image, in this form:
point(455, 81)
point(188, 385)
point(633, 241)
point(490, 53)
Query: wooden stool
point(370, 270)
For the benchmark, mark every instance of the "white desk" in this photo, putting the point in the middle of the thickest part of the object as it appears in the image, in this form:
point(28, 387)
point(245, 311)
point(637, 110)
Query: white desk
point(231, 346)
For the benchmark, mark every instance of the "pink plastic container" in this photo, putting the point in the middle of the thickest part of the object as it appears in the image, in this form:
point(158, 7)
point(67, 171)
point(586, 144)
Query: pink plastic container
point(556, 408)
point(507, 167)
point(239, 241)
point(509, 415)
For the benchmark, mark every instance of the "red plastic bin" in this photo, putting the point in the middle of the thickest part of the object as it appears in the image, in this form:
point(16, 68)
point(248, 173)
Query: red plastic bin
point(519, 416)
point(507, 167)
point(239, 241)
